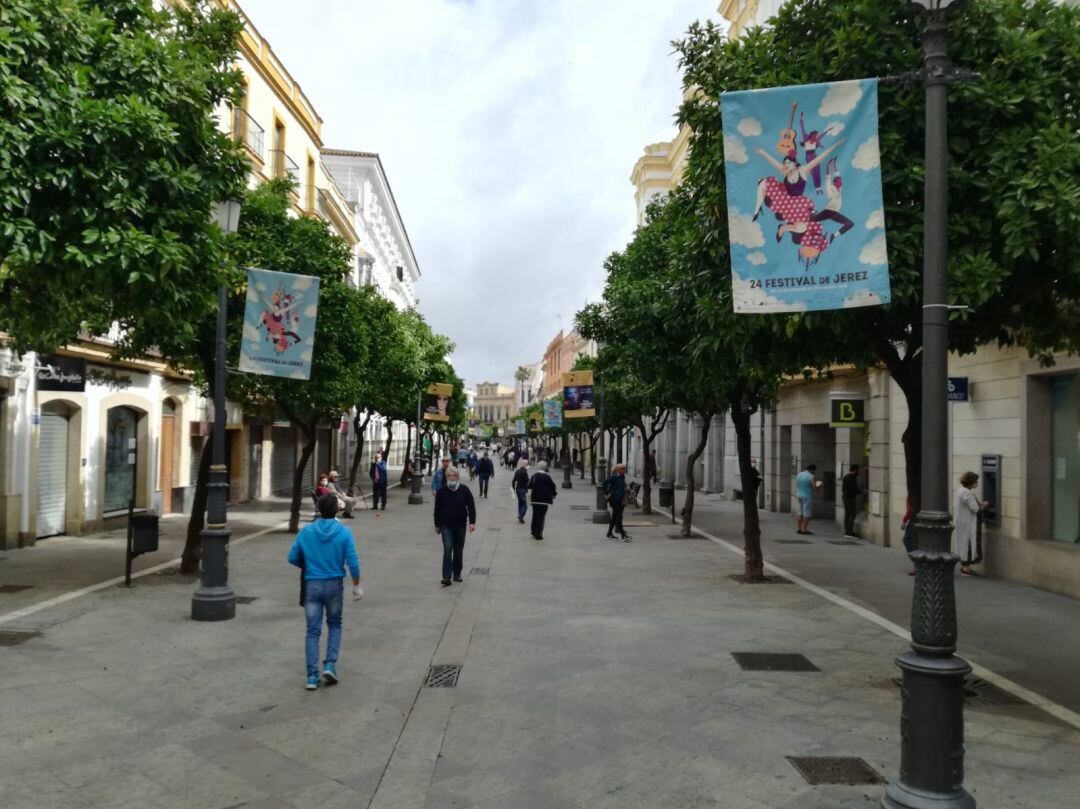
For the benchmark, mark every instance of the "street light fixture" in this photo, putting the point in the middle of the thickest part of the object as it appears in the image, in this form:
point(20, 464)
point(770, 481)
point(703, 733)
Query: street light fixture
point(932, 711)
point(214, 600)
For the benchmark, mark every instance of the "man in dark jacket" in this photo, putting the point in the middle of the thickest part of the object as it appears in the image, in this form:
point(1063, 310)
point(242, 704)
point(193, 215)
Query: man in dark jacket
point(849, 491)
point(615, 494)
point(377, 473)
point(454, 509)
point(543, 495)
point(520, 485)
point(486, 470)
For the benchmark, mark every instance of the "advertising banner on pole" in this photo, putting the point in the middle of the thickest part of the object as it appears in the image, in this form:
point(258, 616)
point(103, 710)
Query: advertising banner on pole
point(534, 424)
point(437, 401)
point(519, 427)
point(279, 324)
point(578, 401)
point(553, 413)
point(805, 215)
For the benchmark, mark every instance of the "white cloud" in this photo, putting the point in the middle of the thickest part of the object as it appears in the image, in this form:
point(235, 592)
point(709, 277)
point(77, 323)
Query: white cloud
point(756, 258)
point(749, 127)
point(864, 297)
point(867, 155)
point(734, 150)
point(311, 310)
point(875, 220)
point(840, 99)
point(747, 299)
point(252, 295)
point(834, 127)
point(302, 282)
point(259, 285)
point(298, 375)
point(874, 252)
point(306, 355)
point(743, 230)
point(251, 332)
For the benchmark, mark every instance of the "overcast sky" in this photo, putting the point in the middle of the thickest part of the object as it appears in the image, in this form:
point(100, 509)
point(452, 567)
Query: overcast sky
point(508, 129)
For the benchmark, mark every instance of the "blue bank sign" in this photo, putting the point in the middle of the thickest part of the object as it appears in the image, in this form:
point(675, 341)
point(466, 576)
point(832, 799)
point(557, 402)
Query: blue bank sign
point(957, 390)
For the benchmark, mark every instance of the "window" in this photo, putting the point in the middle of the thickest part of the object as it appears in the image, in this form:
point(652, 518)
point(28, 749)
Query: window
point(400, 273)
point(121, 449)
point(1065, 447)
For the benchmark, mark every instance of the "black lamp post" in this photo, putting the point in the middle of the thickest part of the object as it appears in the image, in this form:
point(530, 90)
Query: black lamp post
point(214, 599)
point(417, 479)
point(567, 465)
point(601, 514)
point(932, 711)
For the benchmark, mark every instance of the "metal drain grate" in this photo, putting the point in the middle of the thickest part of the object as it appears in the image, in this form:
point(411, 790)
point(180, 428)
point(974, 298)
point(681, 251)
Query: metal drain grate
point(842, 542)
point(13, 638)
point(445, 676)
point(245, 599)
point(15, 588)
point(741, 579)
point(794, 541)
point(680, 536)
point(580, 508)
point(480, 571)
point(773, 661)
point(979, 693)
point(835, 770)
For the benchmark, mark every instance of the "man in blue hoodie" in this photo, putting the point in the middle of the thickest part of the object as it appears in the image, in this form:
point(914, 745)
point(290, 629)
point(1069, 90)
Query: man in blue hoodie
point(322, 550)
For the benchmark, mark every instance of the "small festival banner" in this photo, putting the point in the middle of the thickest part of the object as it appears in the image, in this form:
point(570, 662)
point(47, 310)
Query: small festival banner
point(805, 216)
point(578, 400)
point(534, 424)
point(437, 401)
point(279, 324)
point(552, 413)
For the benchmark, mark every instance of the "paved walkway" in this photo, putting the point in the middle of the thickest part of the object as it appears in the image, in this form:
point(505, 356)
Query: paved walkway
point(594, 674)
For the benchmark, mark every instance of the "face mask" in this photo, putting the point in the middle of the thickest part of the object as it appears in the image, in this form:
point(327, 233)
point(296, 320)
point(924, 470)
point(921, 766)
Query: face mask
point(453, 484)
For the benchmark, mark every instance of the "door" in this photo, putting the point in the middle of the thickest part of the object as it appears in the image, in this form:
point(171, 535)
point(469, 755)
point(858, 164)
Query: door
point(283, 460)
point(165, 468)
point(52, 475)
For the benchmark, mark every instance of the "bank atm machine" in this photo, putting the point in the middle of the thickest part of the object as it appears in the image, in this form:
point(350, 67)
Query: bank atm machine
point(990, 477)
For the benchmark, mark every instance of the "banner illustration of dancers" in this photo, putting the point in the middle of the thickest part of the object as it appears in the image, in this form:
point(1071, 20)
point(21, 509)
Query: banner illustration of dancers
point(279, 324)
point(805, 216)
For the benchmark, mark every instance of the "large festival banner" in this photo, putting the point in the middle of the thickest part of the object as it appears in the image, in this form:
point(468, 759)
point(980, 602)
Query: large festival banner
point(279, 324)
point(578, 400)
point(437, 401)
point(552, 413)
point(805, 216)
point(519, 427)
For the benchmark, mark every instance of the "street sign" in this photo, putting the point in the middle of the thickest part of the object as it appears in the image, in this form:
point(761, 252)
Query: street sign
point(846, 413)
point(958, 389)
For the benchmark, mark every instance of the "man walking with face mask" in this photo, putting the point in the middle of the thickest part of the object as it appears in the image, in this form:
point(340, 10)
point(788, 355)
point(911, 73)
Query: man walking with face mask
point(454, 510)
point(377, 473)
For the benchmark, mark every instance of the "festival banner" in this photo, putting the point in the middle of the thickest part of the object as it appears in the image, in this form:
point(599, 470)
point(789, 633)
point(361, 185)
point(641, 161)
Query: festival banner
point(519, 427)
point(279, 324)
point(534, 424)
point(437, 401)
point(805, 216)
point(578, 400)
point(552, 413)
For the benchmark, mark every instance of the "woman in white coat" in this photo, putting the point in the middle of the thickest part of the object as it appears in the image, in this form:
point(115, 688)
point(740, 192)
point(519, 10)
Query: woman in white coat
point(967, 519)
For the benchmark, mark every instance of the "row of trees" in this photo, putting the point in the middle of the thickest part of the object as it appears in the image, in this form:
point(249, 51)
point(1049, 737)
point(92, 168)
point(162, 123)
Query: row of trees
point(669, 337)
point(111, 165)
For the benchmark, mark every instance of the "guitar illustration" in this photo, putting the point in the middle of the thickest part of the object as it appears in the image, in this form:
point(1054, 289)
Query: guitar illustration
point(786, 146)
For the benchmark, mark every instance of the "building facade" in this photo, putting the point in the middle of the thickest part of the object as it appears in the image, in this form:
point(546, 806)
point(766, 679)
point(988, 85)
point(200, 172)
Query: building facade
point(495, 403)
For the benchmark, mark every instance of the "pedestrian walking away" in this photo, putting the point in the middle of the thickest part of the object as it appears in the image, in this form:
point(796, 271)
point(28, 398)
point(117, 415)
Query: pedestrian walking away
point(455, 512)
point(520, 485)
point(965, 537)
point(323, 550)
point(485, 469)
point(805, 486)
point(377, 473)
point(438, 480)
point(473, 460)
point(615, 494)
point(543, 495)
point(849, 492)
point(344, 498)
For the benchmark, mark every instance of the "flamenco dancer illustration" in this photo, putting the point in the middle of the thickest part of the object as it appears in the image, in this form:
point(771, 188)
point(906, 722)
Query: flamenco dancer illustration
point(811, 142)
point(279, 319)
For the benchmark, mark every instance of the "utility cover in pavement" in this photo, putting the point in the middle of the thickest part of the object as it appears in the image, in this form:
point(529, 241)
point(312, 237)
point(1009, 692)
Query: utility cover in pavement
point(842, 542)
point(445, 676)
point(244, 599)
point(12, 638)
point(794, 541)
point(480, 571)
point(680, 536)
point(15, 588)
point(741, 579)
point(772, 661)
point(580, 508)
point(980, 692)
point(835, 770)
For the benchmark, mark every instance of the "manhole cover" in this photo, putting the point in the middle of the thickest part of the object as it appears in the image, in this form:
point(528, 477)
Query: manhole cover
point(15, 588)
point(245, 599)
point(980, 692)
point(445, 676)
point(480, 571)
point(793, 541)
point(842, 542)
point(12, 638)
point(580, 508)
point(741, 579)
point(680, 536)
point(773, 661)
point(835, 770)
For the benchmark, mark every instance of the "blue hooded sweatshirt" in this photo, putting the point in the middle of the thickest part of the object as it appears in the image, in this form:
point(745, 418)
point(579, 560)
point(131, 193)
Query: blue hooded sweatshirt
point(323, 548)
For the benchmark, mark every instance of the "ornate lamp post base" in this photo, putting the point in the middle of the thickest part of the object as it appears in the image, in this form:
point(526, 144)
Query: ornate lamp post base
point(415, 498)
point(214, 599)
point(601, 514)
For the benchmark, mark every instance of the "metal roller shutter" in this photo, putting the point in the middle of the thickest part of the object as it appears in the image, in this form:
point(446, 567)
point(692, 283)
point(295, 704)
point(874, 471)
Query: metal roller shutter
point(283, 461)
point(52, 475)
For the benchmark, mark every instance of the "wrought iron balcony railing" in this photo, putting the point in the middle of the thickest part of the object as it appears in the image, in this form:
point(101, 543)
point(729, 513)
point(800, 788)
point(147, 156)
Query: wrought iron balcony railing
point(247, 132)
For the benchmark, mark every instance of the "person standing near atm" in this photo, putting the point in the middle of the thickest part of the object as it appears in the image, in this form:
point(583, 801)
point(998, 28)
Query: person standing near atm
point(965, 536)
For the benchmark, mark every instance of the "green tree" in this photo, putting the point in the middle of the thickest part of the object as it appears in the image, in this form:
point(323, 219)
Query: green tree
point(1014, 225)
point(111, 163)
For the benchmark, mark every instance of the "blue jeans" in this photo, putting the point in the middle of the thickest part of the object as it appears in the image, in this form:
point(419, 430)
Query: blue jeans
point(523, 504)
point(453, 543)
point(484, 485)
point(320, 593)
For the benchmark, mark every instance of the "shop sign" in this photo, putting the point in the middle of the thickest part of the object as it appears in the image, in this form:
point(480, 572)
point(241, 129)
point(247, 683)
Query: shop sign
point(847, 413)
point(61, 373)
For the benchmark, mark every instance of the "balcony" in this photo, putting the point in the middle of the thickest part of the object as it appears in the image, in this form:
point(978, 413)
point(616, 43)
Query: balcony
point(247, 132)
point(332, 207)
point(282, 166)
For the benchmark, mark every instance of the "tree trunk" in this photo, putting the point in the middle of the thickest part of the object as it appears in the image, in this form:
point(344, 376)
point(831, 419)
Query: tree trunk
point(907, 373)
point(189, 559)
point(408, 452)
point(754, 563)
point(688, 503)
point(298, 477)
point(646, 486)
point(389, 439)
point(359, 427)
point(592, 458)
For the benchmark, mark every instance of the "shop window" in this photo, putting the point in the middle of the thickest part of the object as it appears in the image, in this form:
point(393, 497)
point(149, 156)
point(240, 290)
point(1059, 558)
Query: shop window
point(121, 450)
point(1065, 437)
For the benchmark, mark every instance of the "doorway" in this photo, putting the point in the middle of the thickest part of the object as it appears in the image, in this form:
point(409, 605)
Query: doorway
point(167, 455)
point(52, 471)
